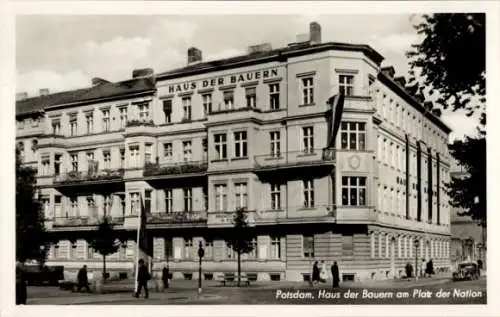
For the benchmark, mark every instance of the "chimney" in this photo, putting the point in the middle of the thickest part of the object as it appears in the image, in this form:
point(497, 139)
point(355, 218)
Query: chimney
point(400, 80)
point(436, 112)
point(428, 105)
point(194, 55)
point(389, 71)
point(44, 91)
point(315, 33)
point(264, 47)
point(96, 81)
point(142, 72)
point(21, 96)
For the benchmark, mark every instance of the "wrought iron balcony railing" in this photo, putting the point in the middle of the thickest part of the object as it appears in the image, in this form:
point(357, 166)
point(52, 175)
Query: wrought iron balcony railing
point(79, 221)
point(178, 217)
point(154, 169)
point(139, 123)
point(295, 158)
point(77, 177)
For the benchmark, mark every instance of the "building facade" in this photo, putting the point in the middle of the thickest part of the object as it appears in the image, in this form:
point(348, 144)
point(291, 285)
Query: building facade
point(196, 143)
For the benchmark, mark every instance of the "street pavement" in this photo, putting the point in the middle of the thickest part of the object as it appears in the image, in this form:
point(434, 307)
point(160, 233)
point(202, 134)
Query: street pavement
point(185, 293)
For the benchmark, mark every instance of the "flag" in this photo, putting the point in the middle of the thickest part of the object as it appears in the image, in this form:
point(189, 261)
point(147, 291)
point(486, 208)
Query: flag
point(336, 103)
point(144, 243)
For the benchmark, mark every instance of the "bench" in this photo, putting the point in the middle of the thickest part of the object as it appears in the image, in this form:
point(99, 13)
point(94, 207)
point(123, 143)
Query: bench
point(245, 278)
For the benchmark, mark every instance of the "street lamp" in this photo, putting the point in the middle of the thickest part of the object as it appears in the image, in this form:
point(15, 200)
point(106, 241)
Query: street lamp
point(417, 244)
point(201, 253)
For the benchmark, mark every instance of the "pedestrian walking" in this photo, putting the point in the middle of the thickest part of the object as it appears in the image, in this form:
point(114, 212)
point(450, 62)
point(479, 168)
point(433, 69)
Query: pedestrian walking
point(142, 280)
point(335, 275)
point(315, 273)
point(83, 280)
point(21, 287)
point(422, 268)
point(165, 276)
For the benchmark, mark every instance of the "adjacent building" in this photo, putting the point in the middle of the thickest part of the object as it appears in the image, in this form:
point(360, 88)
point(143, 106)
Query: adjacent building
point(194, 144)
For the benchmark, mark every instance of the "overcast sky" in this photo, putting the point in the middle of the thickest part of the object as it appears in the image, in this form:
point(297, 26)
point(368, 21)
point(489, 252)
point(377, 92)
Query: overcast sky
point(65, 52)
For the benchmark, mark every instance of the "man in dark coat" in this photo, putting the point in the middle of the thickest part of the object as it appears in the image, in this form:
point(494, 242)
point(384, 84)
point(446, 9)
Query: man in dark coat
point(83, 280)
point(142, 279)
point(315, 272)
point(164, 276)
point(21, 287)
point(335, 275)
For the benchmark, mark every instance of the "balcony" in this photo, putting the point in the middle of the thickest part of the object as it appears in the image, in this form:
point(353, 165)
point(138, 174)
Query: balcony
point(180, 168)
point(178, 217)
point(89, 176)
point(75, 221)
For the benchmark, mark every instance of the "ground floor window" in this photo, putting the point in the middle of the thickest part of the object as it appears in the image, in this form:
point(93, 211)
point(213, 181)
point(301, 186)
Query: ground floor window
point(308, 246)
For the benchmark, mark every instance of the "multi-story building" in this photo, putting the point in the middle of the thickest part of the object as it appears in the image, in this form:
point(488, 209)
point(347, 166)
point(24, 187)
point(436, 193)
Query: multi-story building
point(254, 132)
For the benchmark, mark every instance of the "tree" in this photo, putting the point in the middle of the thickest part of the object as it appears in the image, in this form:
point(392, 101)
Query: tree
point(241, 237)
point(105, 242)
point(31, 237)
point(449, 66)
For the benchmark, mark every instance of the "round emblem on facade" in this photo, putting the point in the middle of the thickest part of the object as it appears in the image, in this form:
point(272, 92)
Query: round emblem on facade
point(354, 162)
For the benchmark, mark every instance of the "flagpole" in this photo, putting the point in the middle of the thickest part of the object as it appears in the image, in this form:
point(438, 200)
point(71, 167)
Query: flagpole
point(137, 250)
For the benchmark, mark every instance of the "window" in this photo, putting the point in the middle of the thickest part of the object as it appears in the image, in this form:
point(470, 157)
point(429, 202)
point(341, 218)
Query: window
point(144, 112)
point(240, 144)
point(73, 203)
point(353, 136)
point(73, 126)
point(188, 246)
point(251, 97)
point(57, 164)
point(45, 165)
point(187, 151)
point(307, 91)
point(147, 201)
point(122, 158)
point(168, 245)
point(186, 108)
point(209, 247)
point(255, 248)
point(221, 197)
point(308, 246)
point(275, 252)
point(107, 159)
point(308, 139)
point(167, 110)
point(274, 96)
point(241, 195)
point(274, 136)
point(228, 100)
point(167, 151)
point(148, 149)
point(308, 187)
point(123, 117)
point(275, 196)
point(134, 156)
point(220, 146)
point(168, 200)
point(230, 253)
point(347, 245)
point(188, 199)
point(207, 104)
point(89, 117)
point(205, 198)
point(74, 162)
point(204, 145)
point(346, 84)
point(106, 124)
point(56, 126)
point(353, 191)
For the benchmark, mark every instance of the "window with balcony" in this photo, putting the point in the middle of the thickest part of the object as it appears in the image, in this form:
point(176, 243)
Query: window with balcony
point(241, 195)
point(207, 104)
point(56, 126)
point(251, 97)
point(144, 112)
point(74, 162)
point(275, 143)
point(169, 203)
point(220, 146)
point(308, 190)
point(346, 84)
point(187, 151)
point(353, 136)
point(228, 99)
point(167, 110)
point(123, 117)
point(353, 191)
point(308, 246)
point(73, 124)
point(307, 87)
point(221, 197)
point(57, 164)
point(89, 119)
point(186, 108)
point(188, 247)
point(168, 151)
point(188, 199)
point(275, 252)
point(307, 139)
point(275, 196)
point(107, 159)
point(106, 123)
point(135, 159)
point(240, 144)
point(274, 96)
point(45, 166)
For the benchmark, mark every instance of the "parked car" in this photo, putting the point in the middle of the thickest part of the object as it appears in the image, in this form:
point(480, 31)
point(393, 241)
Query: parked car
point(43, 275)
point(466, 271)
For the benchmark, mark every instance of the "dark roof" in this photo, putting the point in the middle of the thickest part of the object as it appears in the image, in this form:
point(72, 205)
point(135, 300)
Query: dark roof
point(276, 54)
point(102, 91)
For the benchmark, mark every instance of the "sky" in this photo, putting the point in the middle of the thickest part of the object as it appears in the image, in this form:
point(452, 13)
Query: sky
point(62, 52)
